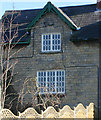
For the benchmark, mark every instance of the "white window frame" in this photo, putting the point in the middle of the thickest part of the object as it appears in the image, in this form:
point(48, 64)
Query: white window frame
point(51, 77)
point(51, 42)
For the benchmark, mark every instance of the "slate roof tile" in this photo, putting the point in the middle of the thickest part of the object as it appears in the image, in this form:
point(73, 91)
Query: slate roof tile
point(81, 16)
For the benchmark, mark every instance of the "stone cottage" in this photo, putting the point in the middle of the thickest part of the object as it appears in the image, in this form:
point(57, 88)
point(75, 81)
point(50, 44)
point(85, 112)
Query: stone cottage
point(62, 51)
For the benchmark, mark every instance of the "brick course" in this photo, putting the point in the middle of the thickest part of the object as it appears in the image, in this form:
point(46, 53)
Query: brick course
point(79, 60)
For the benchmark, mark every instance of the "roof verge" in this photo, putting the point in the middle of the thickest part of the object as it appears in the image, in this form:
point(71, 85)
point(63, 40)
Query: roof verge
point(49, 7)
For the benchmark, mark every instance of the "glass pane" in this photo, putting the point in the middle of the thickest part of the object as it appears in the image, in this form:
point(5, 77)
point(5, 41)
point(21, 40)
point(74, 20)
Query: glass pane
point(55, 41)
point(58, 47)
point(62, 72)
point(44, 73)
point(58, 36)
point(60, 78)
point(53, 47)
point(62, 89)
point(49, 47)
point(48, 73)
point(55, 36)
point(38, 73)
point(43, 36)
point(57, 84)
point(49, 42)
point(43, 42)
point(51, 84)
point(43, 47)
point(62, 83)
point(44, 79)
point(41, 79)
point(58, 41)
point(57, 73)
point(48, 79)
point(46, 36)
point(53, 73)
point(57, 79)
point(57, 89)
point(38, 79)
point(44, 84)
point(49, 36)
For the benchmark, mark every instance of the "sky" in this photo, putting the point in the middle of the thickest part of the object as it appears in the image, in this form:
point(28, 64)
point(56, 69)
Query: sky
point(34, 4)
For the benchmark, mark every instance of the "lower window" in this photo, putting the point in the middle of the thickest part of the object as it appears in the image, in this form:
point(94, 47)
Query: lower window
point(51, 81)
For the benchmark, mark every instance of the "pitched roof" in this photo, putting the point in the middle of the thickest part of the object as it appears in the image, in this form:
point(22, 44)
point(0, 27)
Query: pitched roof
point(89, 32)
point(77, 10)
point(26, 17)
point(51, 8)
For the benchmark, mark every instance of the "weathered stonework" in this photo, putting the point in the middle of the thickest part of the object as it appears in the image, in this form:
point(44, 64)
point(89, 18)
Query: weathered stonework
point(84, 19)
point(79, 60)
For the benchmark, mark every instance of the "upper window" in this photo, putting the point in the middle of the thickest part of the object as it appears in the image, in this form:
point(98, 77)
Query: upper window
point(52, 81)
point(51, 42)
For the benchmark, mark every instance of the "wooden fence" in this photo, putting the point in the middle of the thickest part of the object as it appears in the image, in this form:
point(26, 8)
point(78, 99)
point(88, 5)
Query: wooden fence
point(66, 112)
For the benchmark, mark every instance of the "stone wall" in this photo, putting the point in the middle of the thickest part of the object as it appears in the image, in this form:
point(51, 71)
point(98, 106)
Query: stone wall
point(82, 20)
point(79, 60)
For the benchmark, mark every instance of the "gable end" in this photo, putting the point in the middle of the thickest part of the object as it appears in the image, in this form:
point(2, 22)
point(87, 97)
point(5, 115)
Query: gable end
point(51, 8)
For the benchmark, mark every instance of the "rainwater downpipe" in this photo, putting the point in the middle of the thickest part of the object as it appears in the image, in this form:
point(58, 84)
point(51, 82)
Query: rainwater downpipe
point(98, 93)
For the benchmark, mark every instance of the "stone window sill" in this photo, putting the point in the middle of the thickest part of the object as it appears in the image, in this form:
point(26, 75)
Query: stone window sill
point(51, 52)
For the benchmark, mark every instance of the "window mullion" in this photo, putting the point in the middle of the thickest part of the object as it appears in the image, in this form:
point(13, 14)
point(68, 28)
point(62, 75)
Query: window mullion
point(59, 88)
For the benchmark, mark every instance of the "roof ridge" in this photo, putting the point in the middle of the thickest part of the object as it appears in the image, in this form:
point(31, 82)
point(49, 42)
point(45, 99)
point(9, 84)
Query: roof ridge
point(55, 6)
point(79, 5)
point(51, 7)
